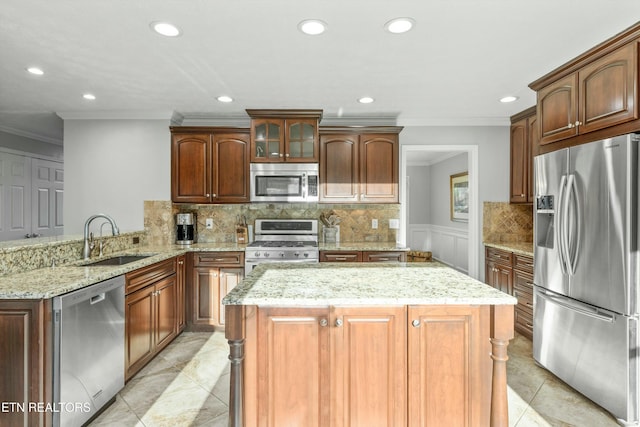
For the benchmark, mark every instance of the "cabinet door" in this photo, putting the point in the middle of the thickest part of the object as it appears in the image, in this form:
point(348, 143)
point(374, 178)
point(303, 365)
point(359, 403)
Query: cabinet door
point(267, 140)
point(22, 351)
point(379, 168)
point(369, 370)
point(139, 329)
point(520, 159)
point(190, 168)
point(301, 140)
point(293, 355)
point(449, 367)
point(229, 279)
point(339, 168)
point(230, 168)
point(166, 326)
point(557, 110)
point(205, 292)
point(499, 276)
point(608, 90)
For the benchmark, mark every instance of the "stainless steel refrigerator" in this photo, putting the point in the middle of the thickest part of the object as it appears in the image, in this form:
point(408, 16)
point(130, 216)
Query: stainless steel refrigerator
point(586, 271)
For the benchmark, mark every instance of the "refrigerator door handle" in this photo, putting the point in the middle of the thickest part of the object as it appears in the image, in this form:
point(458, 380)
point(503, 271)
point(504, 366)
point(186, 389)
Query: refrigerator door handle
point(561, 225)
point(572, 190)
point(580, 308)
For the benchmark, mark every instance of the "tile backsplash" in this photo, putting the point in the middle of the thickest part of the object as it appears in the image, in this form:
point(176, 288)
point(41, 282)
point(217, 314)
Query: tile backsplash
point(159, 219)
point(507, 223)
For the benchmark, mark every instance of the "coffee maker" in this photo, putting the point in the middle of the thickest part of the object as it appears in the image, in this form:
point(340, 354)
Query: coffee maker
point(185, 228)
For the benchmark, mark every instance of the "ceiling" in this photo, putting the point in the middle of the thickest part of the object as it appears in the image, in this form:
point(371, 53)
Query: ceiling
point(461, 57)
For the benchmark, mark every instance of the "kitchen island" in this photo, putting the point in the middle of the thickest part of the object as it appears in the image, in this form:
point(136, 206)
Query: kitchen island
point(367, 345)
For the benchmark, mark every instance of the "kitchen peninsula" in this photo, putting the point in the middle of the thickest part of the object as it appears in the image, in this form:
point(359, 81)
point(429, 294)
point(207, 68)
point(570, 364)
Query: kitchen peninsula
point(367, 344)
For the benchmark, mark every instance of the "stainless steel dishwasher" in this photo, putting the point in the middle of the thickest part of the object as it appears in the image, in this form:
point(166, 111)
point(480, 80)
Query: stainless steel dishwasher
point(88, 356)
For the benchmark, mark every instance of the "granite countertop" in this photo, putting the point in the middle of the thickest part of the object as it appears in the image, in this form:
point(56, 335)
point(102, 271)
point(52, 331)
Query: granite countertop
point(517, 248)
point(361, 246)
point(362, 284)
point(54, 281)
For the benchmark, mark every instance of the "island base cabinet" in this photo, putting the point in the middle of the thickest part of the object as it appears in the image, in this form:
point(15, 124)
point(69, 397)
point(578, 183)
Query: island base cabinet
point(449, 368)
point(428, 365)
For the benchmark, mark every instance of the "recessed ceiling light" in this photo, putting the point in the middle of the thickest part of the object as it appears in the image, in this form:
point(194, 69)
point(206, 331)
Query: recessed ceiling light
point(35, 70)
point(89, 96)
point(165, 29)
point(509, 98)
point(365, 100)
point(399, 25)
point(312, 27)
point(224, 98)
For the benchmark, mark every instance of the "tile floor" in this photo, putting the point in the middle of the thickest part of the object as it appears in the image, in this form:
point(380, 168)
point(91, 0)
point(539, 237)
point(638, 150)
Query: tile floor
point(188, 385)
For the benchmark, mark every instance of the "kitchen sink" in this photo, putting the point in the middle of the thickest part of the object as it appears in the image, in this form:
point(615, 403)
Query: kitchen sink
point(118, 260)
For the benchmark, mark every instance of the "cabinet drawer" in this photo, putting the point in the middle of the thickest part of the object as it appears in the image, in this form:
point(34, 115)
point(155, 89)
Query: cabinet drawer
point(376, 256)
point(499, 256)
point(523, 262)
point(218, 259)
point(524, 322)
point(144, 276)
point(341, 256)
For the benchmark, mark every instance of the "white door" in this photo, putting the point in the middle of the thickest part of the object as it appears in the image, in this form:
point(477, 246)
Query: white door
point(15, 196)
point(47, 194)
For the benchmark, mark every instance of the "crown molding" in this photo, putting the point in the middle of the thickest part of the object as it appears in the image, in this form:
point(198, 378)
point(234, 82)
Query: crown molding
point(116, 115)
point(30, 135)
point(454, 121)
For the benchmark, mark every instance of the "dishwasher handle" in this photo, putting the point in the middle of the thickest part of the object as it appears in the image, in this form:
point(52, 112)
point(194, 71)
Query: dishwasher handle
point(97, 298)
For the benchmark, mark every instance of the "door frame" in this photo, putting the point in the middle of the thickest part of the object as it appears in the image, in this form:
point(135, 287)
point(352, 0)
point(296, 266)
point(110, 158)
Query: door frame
point(474, 210)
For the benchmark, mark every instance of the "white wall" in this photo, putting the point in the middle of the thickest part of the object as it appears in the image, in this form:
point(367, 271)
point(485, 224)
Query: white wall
point(419, 199)
point(112, 167)
point(32, 146)
point(440, 175)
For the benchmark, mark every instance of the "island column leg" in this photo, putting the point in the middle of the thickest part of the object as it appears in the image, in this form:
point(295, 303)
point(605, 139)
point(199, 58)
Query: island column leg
point(501, 333)
point(234, 332)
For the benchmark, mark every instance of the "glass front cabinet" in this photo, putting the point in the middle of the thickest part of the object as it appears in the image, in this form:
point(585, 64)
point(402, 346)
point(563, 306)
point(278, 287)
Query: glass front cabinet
point(284, 135)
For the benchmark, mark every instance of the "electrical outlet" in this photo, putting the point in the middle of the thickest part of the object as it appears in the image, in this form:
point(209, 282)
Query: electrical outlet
point(394, 224)
point(208, 223)
point(374, 223)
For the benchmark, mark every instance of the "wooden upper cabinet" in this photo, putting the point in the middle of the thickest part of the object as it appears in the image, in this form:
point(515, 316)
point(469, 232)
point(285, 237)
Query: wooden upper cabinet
point(594, 96)
point(284, 135)
point(359, 167)
point(379, 168)
point(523, 136)
point(210, 165)
point(557, 110)
point(230, 180)
point(608, 90)
point(339, 174)
point(190, 168)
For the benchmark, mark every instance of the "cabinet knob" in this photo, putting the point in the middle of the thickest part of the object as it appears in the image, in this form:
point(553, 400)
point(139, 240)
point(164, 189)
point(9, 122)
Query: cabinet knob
point(214, 195)
point(578, 123)
point(522, 195)
point(208, 195)
point(281, 155)
point(323, 322)
point(415, 323)
point(287, 155)
point(570, 125)
point(338, 322)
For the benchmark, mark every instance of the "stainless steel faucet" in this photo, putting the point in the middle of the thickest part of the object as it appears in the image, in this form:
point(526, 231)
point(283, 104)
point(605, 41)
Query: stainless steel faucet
point(86, 250)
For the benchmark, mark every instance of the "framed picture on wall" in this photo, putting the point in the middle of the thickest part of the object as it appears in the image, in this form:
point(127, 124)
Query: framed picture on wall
point(459, 184)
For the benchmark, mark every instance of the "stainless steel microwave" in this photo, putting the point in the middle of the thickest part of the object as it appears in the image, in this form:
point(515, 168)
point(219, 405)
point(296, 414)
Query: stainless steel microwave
point(284, 182)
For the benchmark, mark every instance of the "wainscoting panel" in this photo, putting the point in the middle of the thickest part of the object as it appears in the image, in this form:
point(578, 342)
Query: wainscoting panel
point(447, 244)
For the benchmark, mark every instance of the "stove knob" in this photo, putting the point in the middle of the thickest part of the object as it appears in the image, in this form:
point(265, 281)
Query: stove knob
point(256, 254)
point(306, 255)
point(281, 254)
point(296, 254)
point(266, 254)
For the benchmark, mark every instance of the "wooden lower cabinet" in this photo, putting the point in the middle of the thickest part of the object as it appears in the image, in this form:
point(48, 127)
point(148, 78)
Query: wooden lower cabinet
point(151, 316)
point(449, 370)
point(368, 366)
point(214, 274)
point(25, 360)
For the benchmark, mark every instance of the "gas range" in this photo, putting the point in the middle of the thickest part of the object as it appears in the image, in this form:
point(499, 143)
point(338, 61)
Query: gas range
point(283, 240)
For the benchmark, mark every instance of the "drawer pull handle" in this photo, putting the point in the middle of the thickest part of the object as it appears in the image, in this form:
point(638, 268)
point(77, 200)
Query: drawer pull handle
point(529, 325)
point(529, 304)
